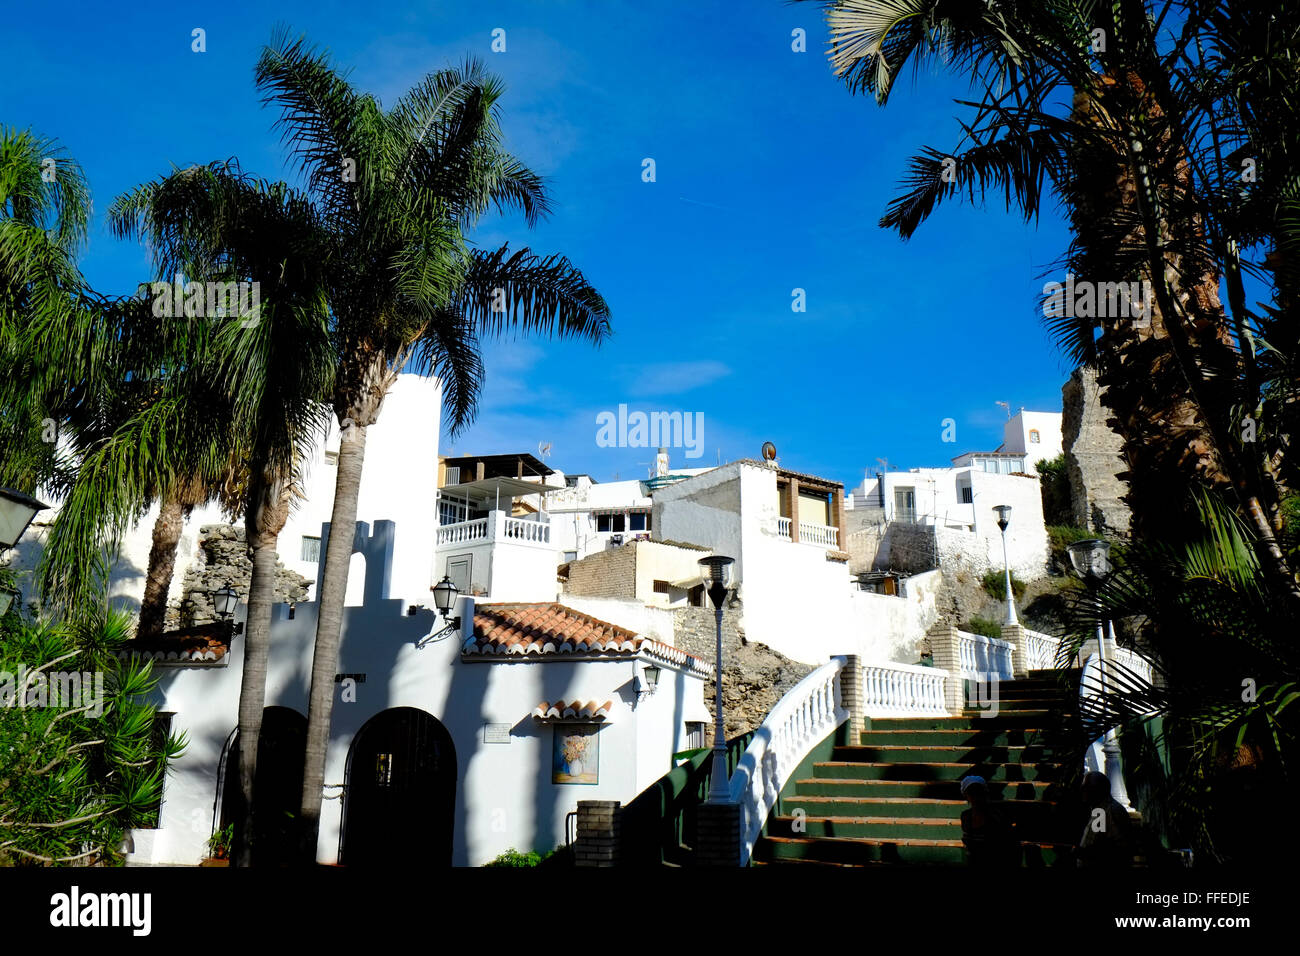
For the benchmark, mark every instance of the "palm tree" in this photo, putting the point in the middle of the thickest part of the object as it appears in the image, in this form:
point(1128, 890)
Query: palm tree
point(1132, 163)
point(399, 190)
point(274, 369)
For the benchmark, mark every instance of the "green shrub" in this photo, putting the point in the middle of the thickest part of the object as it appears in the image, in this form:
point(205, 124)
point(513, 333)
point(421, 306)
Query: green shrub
point(1059, 539)
point(1055, 485)
point(983, 625)
point(995, 585)
point(514, 858)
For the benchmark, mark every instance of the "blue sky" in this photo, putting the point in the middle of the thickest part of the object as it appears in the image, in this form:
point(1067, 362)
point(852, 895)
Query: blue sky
point(770, 176)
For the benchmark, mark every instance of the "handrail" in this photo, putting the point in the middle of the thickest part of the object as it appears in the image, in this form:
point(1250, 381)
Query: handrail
point(1041, 651)
point(984, 657)
point(890, 688)
point(801, 719)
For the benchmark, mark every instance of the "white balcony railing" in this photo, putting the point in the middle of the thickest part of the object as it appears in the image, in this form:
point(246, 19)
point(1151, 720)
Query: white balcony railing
point(801, 719)
point(893, 689)
point(826, 536)
point(497, 526)
point(984, 656)
point(1040, 651)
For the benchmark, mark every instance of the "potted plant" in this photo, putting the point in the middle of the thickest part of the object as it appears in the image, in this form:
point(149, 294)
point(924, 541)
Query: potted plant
point(219, 847)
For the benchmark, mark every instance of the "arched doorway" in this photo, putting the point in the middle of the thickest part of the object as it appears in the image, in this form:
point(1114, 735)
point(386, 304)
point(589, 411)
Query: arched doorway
point(400, 800)
point(277, 786)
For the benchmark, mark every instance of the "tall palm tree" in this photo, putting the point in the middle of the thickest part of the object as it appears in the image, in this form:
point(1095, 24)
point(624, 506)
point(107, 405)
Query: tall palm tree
point(274, 368)
point(1130, 163)
point(400, 189)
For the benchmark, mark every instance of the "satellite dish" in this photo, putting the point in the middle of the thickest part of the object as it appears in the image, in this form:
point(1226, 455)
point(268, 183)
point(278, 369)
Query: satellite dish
point(769, 451)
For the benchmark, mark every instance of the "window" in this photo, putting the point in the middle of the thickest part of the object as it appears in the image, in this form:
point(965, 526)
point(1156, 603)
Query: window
point(639, 521)
point(905, 504)
point(331, 458)
point(1034, 437)
point(611, 523)
point(452, 476)
point(694, 734)
point(310, 549)
point(695, 596)
point(661, 587)
point(966, 494)
point(449, 512)
point(570, 556)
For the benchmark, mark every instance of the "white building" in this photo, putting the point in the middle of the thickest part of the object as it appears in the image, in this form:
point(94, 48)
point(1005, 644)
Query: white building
point(453, 751)
point(1027, 438)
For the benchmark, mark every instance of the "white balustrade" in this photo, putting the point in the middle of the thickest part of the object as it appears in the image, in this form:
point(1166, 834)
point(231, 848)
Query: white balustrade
point(522, 529)
point(890, 688)
point(463, 532)
point(1040, 651)
point(800, 720)
point(984, 656)
point(783, 527)
point(825, 535)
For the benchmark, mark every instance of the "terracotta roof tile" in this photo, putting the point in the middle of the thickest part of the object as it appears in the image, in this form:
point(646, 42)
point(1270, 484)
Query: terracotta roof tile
point(201, 644)
point(552, 628)
point(574, 710)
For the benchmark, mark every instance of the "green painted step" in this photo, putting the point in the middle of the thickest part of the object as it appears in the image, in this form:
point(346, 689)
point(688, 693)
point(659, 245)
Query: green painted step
point(968, 722)
point(925, 753)
point(935, 770)
point(959, 737)
point(916, 828)
point(865, 850)
point(937, 789)
point(1020, 811)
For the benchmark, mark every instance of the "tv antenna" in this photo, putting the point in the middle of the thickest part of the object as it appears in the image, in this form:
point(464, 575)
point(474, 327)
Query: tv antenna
point(543, 450)
point(1007, 406)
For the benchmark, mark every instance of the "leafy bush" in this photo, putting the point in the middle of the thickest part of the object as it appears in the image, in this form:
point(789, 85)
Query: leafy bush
point(514, 858)
point(79, 761)
point(1055, 485)
point(983, 625)
point(1059, 539)
point(995, 585)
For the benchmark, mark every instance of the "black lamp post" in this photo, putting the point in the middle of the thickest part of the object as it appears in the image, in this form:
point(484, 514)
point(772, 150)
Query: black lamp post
point(1090, 559)
point(224, 602)
point(716, 578)
point(16, 512)
point(445, 593)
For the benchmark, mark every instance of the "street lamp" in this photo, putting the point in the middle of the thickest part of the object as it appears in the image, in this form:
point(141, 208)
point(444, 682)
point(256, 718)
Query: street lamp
point(1090, 559)
point(445, 593)
point(223, 602)
point(1004, 519)
point(715, 568)
point(7, 597)
point(16, 512)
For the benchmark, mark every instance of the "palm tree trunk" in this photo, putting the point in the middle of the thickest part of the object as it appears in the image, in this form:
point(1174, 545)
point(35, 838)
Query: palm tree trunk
point(267, 511)
point(334, 583)
point(162, 564)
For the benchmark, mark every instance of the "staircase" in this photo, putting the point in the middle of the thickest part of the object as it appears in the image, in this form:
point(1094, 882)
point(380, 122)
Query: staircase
point(894, 797)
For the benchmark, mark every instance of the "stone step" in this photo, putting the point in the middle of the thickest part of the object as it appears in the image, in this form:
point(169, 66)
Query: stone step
point(956, 737)
point(892, 753)
point(934, 770)
point(941, 789)
point(868, 850)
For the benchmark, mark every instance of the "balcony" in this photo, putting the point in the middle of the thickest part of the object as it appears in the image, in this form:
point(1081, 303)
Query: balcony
point(497, 527)
point(825, 536)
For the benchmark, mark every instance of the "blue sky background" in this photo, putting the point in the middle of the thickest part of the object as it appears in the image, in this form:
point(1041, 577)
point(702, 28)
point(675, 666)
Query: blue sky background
point(770, 177)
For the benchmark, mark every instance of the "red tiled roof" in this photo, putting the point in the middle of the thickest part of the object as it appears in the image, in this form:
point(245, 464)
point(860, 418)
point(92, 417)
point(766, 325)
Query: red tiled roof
point(201, 644)
point(549, 628)
point(573, 710)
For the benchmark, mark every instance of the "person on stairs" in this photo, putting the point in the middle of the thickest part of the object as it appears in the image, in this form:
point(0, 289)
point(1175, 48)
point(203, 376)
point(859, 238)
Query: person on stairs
point(985, 830)
point(1108, 838)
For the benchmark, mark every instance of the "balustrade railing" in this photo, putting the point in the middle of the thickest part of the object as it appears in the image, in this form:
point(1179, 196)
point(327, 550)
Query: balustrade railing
point(1041, 651)
point(984, 656)
point(890, 688)
point(523, 529)
point(783, 527)
point(826, 535)
point(801, 719)
point(463, 532)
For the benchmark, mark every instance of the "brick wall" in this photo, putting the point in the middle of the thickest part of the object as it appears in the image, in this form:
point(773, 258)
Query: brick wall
point(609, 573)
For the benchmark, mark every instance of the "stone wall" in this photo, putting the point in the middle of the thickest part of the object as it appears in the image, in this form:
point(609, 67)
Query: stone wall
point(610, 573)
point(754, 677)
point(223, 559)
point(1093, 457)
